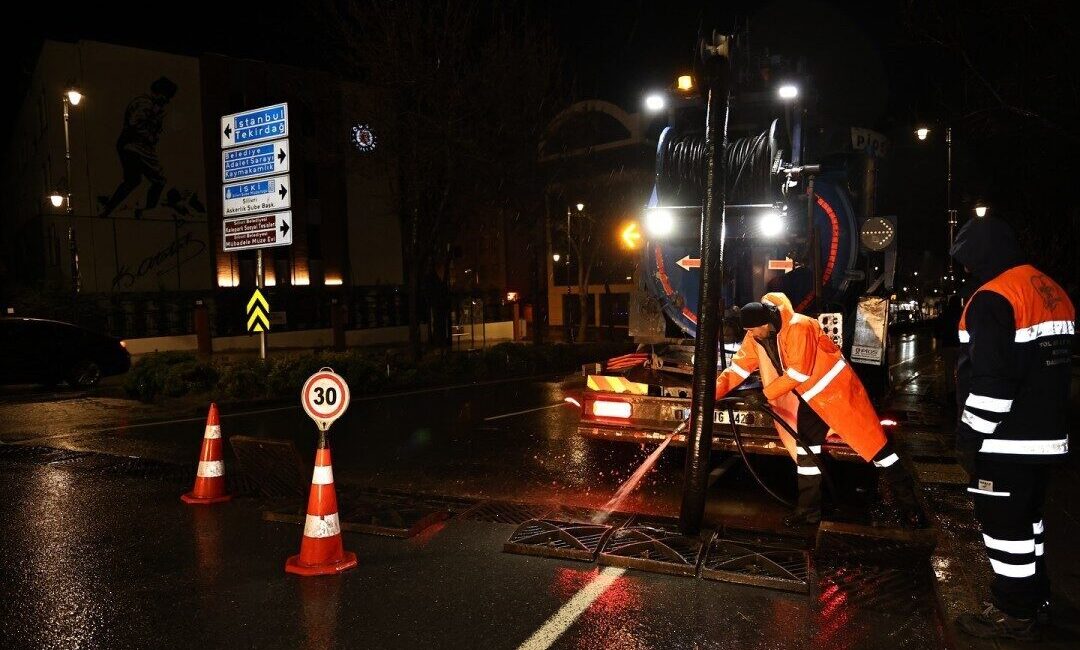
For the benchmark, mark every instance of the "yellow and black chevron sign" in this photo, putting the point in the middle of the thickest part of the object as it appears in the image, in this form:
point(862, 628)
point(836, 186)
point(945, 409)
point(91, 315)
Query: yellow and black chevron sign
point(616, 385)
point(258, 312)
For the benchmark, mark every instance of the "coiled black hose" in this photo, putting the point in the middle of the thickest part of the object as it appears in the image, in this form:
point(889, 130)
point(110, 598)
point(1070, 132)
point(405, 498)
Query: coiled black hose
point(752, 163)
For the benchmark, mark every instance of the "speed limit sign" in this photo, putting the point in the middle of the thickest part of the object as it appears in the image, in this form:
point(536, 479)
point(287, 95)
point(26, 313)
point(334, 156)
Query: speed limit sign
point(325, 397)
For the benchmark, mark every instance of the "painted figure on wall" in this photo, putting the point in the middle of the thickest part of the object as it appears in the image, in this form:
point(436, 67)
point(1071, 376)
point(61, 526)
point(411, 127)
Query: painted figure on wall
point(137, 147)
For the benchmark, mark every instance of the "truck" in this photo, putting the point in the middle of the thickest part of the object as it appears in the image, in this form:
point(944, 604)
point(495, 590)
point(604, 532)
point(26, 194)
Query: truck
point(791, 227)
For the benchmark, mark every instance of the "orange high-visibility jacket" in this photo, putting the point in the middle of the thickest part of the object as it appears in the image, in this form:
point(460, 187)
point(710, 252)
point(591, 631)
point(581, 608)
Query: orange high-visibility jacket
point(813, 368)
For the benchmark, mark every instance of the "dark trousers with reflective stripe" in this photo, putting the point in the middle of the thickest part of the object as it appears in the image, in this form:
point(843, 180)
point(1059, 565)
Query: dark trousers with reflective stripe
point(1009, 505)
point(812, 429)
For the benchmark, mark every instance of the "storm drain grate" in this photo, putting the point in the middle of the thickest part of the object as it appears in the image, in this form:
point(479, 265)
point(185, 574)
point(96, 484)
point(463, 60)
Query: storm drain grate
point(271, 468)
point(589, 515)
point(758, 559)
point(371, 512)
point(841, 544)
point(559, 539)
point(390, 515)
point(504, 512)
point(652, 546)
point(453, 505)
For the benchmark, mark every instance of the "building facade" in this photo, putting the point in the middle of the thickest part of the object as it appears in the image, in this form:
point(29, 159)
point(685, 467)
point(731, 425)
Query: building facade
point(146, 196)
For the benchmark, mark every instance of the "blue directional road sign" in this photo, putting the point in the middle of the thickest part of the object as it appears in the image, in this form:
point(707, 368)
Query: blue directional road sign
point(255, 160)
point(259, 195)
point(258, 125)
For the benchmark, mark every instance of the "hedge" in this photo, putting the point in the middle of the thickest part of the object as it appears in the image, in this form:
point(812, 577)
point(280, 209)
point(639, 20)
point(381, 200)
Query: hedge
point(174, 374)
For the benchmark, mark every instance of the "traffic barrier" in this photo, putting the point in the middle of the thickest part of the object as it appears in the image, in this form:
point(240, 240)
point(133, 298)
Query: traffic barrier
point(321, 549)
point(210, 477)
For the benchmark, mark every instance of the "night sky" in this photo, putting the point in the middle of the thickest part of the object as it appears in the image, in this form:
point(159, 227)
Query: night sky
point(871, 67)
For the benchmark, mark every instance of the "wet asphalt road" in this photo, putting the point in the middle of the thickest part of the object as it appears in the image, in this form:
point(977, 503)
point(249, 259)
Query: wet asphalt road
point(513, 440)
point(109, 562)
point(98, 556)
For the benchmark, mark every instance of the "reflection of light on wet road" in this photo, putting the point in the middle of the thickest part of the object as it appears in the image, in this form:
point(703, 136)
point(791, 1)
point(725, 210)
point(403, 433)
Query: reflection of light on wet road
point(73, 600)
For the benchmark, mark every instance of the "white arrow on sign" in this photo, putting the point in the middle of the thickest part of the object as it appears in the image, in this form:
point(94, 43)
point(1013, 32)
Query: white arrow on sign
point(257, 195)
point(688, 263)
point(325, 397)
point(251, 161)
point(257, 231)
point(786, 265)
point(256, 125)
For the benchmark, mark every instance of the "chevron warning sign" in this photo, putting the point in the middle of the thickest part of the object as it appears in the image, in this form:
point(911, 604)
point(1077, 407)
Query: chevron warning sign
point(258, 313)
point(616, 385)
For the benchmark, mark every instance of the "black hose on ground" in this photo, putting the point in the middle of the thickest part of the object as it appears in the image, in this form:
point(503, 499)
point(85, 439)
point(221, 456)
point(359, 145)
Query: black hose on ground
point(727, 402)
point(749, 465)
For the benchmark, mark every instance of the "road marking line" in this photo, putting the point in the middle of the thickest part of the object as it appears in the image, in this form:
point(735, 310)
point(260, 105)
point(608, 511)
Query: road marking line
point(538, 408)
point(140, 425)
point(561, 620)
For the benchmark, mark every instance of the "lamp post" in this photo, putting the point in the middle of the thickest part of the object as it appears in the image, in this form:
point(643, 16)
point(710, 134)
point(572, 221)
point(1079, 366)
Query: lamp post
point(569, 320)
point(950, 213)
point(71, 97)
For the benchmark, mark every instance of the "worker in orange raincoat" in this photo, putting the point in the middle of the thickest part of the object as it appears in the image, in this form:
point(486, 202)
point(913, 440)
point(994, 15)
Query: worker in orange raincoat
point(808, 383)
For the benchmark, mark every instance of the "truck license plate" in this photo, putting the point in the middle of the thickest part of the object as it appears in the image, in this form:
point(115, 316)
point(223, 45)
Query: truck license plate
point(745, 418)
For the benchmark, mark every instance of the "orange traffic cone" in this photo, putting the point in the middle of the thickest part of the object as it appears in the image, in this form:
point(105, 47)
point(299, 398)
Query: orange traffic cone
point(210, 478)
point(321, 550)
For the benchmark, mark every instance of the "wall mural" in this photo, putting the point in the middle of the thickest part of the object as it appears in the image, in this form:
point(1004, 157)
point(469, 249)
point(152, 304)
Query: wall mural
point(146, 164)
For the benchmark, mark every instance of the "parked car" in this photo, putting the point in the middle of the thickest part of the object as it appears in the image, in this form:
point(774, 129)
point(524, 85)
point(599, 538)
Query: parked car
point(36, 351)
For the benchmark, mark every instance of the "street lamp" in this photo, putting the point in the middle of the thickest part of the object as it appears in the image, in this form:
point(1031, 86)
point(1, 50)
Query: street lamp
point(788, 91)
point(56, 198)
point(685, 83)
point(950, 214)
point(556, 257)
point(981, 210)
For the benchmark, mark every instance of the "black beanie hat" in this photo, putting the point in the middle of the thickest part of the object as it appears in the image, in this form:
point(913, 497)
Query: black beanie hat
point(756, 314)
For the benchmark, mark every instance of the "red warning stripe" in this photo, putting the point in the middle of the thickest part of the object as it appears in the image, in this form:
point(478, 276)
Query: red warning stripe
point(834, 248)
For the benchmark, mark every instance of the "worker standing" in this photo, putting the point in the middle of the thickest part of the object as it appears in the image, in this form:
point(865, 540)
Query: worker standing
point(1013, 376)
point(808, 383)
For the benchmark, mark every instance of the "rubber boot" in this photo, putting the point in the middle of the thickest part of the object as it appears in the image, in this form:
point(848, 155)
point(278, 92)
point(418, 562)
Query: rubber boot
point(903, 489)
point(808, 505)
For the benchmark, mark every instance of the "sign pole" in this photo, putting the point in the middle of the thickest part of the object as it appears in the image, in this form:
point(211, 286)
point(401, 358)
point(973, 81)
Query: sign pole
point(259, 284)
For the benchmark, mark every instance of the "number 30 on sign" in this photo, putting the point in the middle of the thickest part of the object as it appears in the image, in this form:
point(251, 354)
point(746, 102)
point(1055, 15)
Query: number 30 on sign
point(325, 397)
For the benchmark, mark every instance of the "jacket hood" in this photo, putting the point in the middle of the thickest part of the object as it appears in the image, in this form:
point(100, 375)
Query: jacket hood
point(782, 303)
point(987, 247)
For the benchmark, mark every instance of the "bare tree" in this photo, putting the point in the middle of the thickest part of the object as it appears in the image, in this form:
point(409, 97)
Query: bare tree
point(472, 86)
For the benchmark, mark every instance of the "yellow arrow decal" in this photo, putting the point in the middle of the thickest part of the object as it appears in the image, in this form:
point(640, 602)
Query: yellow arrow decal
point(258, 322)
point(257, 298)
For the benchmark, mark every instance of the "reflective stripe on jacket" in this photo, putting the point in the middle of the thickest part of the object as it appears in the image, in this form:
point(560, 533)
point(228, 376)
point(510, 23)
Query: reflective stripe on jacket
point(813, 368)
point(1014, 367)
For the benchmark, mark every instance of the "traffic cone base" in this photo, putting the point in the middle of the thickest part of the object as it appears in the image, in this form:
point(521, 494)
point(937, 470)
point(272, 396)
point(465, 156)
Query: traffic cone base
point(293, 565)
point(191, 499)
point(210, 478)
point(321, 548)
